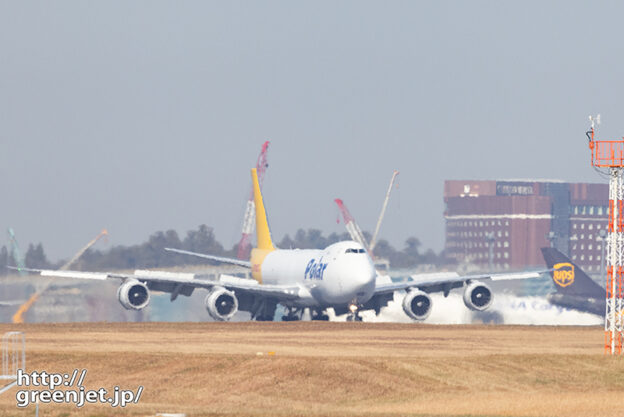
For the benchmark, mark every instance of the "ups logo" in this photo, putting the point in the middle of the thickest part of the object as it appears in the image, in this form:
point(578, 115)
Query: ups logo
point(563, 274)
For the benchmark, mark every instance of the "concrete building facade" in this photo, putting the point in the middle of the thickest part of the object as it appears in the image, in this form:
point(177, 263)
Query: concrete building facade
point(508, 221)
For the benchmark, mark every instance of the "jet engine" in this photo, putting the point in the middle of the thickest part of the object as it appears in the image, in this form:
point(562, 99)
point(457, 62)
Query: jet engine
point(221, 304)
point(133, 295)
point(477, 296)
point(417, 305)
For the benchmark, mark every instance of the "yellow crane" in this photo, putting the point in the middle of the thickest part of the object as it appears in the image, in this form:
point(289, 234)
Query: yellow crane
point(18, 317)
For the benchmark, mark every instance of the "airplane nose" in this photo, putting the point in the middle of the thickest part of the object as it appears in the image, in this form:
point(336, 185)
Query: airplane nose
point(362, 279)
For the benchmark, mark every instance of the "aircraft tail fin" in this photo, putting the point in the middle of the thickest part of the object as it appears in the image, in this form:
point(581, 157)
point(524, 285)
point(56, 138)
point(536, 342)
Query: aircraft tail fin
point(568, 278)
point(262, 225)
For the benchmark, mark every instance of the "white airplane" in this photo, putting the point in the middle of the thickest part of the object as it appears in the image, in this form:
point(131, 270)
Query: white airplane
point(341, 276)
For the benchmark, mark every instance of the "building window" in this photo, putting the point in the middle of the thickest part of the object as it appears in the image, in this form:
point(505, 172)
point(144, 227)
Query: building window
point(591, 258)
point(582, 257)
point(598, 257)
point(590, 237)
point(500, 233)
point(506, 255)
point(506, 244)
point(598, 247)
point(582, 237)
point(573, 225)
point(506, 233)
point(575, 209)
point(599, 210)
point(574, 247)
point(582, 247)
point(590, 227)
point(573, 257)
point(590, 247)
point(591, 210)
point(506, 222)
point(582, 225)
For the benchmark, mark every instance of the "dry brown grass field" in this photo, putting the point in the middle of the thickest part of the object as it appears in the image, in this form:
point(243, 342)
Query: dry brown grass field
point(330, 369)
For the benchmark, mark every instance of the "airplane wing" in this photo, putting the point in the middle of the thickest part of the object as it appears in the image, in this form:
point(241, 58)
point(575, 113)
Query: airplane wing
point(445, 281)
point(11, 303)
point(238, 262)
point(182, 283)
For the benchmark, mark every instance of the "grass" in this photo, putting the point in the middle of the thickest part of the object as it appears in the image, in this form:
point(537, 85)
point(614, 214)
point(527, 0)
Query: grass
point(332, 369)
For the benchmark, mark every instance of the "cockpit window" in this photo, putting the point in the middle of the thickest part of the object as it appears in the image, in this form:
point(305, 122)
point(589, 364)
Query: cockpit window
point(353, 250)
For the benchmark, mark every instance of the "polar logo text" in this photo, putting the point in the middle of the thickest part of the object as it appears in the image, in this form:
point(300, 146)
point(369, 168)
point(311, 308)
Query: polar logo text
point(315, 270)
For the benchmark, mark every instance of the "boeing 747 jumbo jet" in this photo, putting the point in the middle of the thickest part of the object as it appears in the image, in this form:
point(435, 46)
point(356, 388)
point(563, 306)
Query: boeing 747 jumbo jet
point(340, 276)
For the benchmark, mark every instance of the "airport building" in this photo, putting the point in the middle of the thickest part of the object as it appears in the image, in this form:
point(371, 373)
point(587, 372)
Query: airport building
point(506, 222)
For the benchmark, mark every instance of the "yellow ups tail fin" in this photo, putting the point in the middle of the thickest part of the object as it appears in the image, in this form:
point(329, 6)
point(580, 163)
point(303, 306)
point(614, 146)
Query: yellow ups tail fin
point(262, 225)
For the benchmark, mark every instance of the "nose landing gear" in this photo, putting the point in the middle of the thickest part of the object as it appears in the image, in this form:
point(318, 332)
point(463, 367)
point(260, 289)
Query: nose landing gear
point(354, 312)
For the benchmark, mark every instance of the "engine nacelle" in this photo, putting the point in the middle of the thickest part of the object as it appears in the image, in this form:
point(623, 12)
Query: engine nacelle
point(221, 304)
point(133, 294)
point(477, 296)
point(417, 305)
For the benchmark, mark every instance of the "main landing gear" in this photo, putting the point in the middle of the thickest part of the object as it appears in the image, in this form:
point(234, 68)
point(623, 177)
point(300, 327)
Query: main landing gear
point(319, 315)
point(294, 314)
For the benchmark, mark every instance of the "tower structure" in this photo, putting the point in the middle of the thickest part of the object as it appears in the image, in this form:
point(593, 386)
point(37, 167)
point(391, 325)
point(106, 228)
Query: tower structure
point(608, 156)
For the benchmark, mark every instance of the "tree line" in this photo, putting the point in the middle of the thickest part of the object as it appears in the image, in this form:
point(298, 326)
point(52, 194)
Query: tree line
point(151, 254)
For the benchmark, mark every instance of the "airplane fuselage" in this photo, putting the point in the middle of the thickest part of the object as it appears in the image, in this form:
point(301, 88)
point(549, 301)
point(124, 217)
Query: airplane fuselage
point(581, 303)
point(340, 274)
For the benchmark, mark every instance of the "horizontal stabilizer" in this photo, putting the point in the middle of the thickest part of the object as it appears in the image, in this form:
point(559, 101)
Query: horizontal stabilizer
point(221, 259)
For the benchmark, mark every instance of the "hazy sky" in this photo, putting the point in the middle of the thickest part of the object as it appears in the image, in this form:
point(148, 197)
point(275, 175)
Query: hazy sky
point(145, 116)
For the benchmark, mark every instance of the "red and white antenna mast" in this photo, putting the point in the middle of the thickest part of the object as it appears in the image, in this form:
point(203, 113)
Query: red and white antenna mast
point(609, 155)
point(249, 222)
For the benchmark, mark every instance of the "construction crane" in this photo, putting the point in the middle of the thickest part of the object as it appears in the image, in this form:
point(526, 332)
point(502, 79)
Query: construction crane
point(373, 241)
point(249, 221)
point(352, 227)
point(81, 252)
point(15, 251)
point(18, 317)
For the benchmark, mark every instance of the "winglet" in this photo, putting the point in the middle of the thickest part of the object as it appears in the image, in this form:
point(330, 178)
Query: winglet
point(262, 225)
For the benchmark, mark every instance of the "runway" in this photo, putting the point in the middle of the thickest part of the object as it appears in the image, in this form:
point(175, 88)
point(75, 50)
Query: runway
point(336, 369)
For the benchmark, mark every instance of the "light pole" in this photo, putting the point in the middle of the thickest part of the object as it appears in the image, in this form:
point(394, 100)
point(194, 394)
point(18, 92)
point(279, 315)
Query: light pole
point(551, 237)
point(489, 238)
